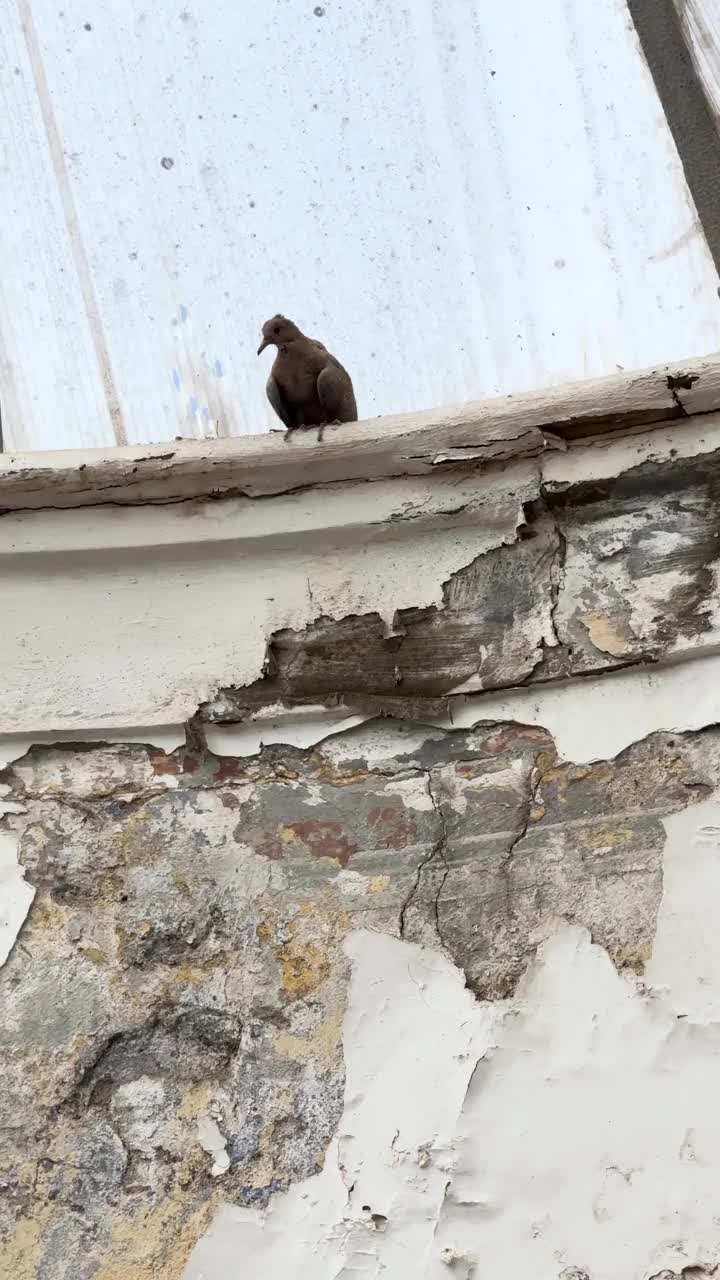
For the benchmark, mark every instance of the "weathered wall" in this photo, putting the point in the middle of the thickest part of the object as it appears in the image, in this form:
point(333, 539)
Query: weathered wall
point(400, 954)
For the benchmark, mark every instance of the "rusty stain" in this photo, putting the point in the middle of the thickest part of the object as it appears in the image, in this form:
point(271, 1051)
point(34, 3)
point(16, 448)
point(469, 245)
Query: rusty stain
point(95, 956)
point(471, 769)
point(510, 735)
point(337, 775)
point(319, 838)
point(181, 883)
point(229, 769)
point(394, 827)
point(164, 766)
point(324, 839)
point(263, 931)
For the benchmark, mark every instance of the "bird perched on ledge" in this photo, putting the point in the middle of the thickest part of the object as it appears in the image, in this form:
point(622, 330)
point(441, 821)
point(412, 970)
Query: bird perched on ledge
point(307, 386)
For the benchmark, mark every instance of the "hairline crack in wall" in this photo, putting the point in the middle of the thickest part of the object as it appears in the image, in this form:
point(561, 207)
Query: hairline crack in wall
point(291, 988)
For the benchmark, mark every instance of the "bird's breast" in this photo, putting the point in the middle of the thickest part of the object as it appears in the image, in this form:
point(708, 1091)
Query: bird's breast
point(296, 379)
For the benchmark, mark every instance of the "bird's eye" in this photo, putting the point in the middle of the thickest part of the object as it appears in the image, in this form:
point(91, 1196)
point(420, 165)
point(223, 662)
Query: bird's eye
point(276, 329)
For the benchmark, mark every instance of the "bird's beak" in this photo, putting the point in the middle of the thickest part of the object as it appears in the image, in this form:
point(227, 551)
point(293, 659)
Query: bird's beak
point(265, 343)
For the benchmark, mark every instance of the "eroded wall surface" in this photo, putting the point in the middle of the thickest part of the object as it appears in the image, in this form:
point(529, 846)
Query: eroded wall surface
point(400, 956)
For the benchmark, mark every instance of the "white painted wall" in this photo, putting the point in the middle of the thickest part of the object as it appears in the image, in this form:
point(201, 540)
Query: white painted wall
point(460, 200)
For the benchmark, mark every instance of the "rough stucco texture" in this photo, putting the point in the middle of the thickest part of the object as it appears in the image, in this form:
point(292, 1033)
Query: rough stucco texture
point(171, 1014)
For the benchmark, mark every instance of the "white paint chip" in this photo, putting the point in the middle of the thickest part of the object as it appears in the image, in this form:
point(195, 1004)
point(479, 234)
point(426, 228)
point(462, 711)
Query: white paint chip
point(413, 791)
point(596, 717)
point(212, 1141)
point(16, 894)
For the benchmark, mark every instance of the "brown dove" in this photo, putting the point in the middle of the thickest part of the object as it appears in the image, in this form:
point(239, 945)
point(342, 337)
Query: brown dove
point(307, 386)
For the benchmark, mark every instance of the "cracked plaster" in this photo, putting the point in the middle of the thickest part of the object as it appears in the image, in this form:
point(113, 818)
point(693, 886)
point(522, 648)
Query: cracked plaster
point(193, 911)
point(569, 1131)
point(198, 911)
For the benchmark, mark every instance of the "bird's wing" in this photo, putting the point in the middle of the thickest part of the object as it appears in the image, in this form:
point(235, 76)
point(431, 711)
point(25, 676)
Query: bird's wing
point(335, 393)
point(274, 395)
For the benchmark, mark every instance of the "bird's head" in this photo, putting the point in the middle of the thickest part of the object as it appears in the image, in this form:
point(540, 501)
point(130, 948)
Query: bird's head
point(277, 332)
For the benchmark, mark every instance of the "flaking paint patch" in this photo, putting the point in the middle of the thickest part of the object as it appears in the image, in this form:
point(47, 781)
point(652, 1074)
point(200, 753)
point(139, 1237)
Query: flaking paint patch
point(596, 717)
point(610, 456)
point(410, 1017)
point(165, 576)
point(414, 793)
point(585, 1070)
point(165, 737)
point(378, 743)
point(293, 728)
point(16, 895)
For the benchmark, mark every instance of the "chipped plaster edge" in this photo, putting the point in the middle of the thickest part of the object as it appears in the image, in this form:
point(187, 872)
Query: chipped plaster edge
point(16, 894)
point(414, 443)
point(589, 717)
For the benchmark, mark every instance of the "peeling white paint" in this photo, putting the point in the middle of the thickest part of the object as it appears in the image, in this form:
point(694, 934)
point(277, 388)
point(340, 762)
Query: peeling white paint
point(609, 455)
point(590, 718)
point(212, 1141)
point(686, 956)
point(573, 1130)
point(413, 791)
point(135, 1106)
point(16, 894)
point(293, 727)
point(412, 1035)
point(595, 717)
point(378, 743)
point(185, 598)
point(13, 746)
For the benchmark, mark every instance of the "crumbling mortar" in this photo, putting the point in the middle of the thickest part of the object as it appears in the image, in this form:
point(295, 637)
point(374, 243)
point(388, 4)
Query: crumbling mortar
point(534, 781)
point(442, 854)
point(557, 581)
point(439, 851)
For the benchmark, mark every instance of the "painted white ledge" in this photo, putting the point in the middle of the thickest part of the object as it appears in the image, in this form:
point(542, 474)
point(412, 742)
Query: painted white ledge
point(137, 601)
point(494, 430)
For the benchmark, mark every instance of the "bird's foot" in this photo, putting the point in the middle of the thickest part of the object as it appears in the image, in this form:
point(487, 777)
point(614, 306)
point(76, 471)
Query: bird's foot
point(321, 429)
